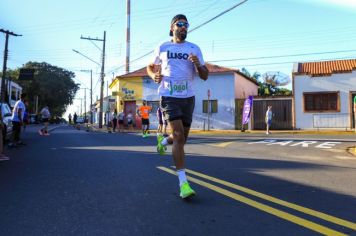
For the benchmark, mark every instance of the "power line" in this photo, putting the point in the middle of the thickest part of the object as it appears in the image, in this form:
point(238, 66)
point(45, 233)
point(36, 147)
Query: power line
point(195, 28)
point(279, 56)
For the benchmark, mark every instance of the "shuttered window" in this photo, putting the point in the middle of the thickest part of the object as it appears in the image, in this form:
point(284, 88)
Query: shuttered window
point(213, 106)
point(322, 101)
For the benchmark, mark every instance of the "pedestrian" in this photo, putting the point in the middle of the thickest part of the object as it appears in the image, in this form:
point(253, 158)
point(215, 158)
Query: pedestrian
point(129, 120)
point(268, 119)
point(3, 157)
point(114, 120)
point(165, 124)
point(75, 117)
point(70, 118)
point(17, 121)
point(45, 115)
point(108, 122)
point(177, 61)
point(144, 113)
point(160, 120)
point(121, 118)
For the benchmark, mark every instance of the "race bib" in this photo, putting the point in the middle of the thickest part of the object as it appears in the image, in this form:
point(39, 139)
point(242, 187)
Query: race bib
point(179, 88)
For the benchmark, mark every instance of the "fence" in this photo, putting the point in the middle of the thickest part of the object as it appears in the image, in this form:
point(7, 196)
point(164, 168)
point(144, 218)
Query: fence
point(341, 120)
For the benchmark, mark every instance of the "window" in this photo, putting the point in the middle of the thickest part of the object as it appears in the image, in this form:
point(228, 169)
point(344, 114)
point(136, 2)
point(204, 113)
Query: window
point(213, 106)
point(323, 101)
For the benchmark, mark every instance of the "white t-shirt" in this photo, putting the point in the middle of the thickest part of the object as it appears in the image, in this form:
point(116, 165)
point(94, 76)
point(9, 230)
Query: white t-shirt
point(178, 72)
point(121, 116)
point(268, 115)
point(18, 105)
point(45, 113)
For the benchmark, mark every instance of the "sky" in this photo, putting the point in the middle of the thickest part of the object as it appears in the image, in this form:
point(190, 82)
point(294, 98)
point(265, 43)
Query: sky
point(259, 35)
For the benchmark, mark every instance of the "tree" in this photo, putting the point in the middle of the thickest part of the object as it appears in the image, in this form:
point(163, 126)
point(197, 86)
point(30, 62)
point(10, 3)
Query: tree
point(54, 87)
point(266, 89)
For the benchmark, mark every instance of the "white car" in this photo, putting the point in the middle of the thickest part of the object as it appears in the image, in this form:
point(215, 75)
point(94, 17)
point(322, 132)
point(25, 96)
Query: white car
point(6, 119)
point(80, 120)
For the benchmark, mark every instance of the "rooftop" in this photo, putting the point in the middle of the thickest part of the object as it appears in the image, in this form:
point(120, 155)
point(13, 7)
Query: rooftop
point(325, 68)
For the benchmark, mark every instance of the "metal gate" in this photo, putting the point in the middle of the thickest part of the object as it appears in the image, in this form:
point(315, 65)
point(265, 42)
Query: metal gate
point(282, 113)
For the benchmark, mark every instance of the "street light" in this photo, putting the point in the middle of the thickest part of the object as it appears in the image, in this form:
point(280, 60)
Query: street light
point(101, 86)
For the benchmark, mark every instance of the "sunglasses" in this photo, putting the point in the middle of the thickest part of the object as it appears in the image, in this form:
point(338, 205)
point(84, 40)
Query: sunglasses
point(181, 24)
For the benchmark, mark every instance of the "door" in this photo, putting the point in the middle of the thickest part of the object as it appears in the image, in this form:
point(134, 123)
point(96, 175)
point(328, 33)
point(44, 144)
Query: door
point(130, 106)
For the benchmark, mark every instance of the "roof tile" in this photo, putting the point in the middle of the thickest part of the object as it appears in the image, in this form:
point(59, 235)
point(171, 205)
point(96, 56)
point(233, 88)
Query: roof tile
point(326, 68)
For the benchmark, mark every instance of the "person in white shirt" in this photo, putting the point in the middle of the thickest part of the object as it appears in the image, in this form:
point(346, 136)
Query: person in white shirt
point(129, 119)
point(45, 115)
point(268, 119)
point(114, 120)
point(173, 66)
point(121, 118)
point(17, 120)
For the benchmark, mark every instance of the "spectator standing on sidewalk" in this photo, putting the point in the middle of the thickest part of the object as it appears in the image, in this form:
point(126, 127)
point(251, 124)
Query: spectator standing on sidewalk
point(45, 115)
point(129, 119)
point(114, 120)
point(121, 118)
point(268, 119)
point(17, 120)
point(70, 118)
point(75, 117)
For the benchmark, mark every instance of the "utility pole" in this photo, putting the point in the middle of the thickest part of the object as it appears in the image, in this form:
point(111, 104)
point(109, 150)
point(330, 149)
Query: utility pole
point(128, 36)
point(91, 93)
point(3, 89)
point(102, 75)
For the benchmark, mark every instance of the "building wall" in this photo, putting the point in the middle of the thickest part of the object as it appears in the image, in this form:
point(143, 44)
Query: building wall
point(221, 89)
point(342, 83)
point(244, 87)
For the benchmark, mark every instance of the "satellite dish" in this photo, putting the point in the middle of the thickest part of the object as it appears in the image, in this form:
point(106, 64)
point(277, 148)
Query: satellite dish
point(276, 78)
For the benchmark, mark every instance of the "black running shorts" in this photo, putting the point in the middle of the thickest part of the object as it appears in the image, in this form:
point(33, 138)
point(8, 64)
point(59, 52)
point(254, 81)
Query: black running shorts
point(178, 109)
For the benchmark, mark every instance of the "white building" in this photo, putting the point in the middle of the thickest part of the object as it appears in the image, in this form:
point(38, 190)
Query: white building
point(224, 86)
point(323, 94)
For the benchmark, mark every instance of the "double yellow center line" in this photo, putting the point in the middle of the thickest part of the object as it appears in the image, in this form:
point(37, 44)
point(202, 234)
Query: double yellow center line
point(263, 207)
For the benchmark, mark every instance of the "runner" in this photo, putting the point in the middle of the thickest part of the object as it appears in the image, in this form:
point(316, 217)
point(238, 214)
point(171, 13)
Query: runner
point(45, 119)
point(144, 112)
point(160, 120)
point(178, 62)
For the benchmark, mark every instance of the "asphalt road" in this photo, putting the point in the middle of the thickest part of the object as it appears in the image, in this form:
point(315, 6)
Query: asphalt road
point(75, 182)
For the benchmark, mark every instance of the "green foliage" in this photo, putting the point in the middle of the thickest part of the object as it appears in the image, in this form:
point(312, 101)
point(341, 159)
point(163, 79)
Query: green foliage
point(54, 87)
point(265, 89)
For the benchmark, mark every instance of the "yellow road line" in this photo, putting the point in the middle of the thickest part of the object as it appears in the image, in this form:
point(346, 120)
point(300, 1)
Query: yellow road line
point(222, 145)
point(281, 214)
point(305, 210)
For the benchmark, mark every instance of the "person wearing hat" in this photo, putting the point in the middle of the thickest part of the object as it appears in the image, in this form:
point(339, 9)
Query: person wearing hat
point(173, 66)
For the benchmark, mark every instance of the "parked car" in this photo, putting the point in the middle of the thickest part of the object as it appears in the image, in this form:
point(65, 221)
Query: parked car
point(80, 120)
point(7, 122)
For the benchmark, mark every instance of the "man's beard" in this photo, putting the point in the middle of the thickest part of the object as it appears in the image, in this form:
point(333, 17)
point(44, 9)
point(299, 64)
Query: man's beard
point(181, 35)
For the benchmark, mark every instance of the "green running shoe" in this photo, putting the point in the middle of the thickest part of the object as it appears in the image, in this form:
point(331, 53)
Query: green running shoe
point(161, 149)
point(186, 191)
